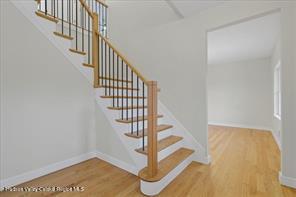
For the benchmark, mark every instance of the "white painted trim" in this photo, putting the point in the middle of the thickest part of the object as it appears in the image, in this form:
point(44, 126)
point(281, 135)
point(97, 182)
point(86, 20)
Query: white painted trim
point(201, 153)
point(287, 181)
point(27, 176)
point(154, 188)
point(246, 19)
point(175, 9)
point(277, 140)
point(120, 164)
point(277, 116)
point(278, 69)
point(239, 126)
point(207, 160)
point(28, 8)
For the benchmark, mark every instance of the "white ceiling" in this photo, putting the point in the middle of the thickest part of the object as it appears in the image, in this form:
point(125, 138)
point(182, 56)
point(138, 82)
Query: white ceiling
point(142, 14)
point(248, 40)
point(191, 7)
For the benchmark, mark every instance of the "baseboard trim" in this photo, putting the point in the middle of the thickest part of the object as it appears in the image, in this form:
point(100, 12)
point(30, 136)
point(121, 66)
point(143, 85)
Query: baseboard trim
point(287, 181)
point(208, 160)
point(118, 163)
point(201, 152)
point(28, 176)
point(239, 126)
point(277, 140)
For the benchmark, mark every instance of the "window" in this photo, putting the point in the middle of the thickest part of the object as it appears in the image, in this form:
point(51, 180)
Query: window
point(277, 91)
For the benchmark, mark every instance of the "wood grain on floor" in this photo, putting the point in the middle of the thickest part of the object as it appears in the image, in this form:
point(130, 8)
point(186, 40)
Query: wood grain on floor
point(245, 162)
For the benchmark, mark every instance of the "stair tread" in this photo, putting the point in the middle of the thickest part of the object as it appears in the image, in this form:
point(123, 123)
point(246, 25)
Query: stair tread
point(88, 65)
point(134, 119)
point(77, 51)
point(114, 79)
point(125, 97)
point(62, 35)
point(129, 107)
point(43, 15)
point(166, 165)
point(119, 87)
point(159, 128)
point(162, 144)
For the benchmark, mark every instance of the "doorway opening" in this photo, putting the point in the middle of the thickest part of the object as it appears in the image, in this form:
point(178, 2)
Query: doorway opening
point(244, 87)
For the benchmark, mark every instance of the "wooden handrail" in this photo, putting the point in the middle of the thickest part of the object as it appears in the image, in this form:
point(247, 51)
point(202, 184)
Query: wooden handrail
point(124, 59)
point(86, 8)
point(152, 161)
point(152, 90)
point(103, 3)
point(95, 49)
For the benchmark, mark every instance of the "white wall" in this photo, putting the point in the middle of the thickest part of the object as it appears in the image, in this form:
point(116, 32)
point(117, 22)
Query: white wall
point(288, 60)
point(175, 54)
point(239, 94)
point(276, 123)
point(126, 17)
point(160, 56)
point(48, 108)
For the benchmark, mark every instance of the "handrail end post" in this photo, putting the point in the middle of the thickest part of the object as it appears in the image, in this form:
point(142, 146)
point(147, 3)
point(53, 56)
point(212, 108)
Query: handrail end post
point(152, 161)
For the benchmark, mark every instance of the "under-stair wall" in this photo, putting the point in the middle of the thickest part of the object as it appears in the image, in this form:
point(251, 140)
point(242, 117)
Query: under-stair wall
point(131, 125)
point(153, 178)
point(124, 148)
point(49, 116)
point(47, 106)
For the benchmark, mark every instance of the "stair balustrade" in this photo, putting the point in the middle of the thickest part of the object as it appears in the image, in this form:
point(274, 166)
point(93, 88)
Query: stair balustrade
point(132, 94)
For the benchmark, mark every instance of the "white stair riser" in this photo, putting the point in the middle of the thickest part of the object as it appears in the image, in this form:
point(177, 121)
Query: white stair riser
point(121, 92)
point(165, 152)
point(161, 135)
point(117, 83)
point(129, 113)
point(154, 188)
point(140, 160)
point(140, 124)
point(58, 12)
point(126, 102)
point(169, 150)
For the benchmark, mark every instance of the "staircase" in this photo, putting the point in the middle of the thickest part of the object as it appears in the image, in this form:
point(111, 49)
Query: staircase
point(124, 94)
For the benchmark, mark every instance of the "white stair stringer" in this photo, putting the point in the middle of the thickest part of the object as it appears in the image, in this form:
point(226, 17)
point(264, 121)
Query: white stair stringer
point(154, 188)
point(131, 143)
point(188, 141)
point(28, 8)
point(200, 153)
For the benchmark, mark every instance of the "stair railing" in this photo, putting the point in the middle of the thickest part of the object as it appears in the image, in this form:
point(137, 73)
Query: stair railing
point(101, 8)
point(95, 49)
point(120, 79)
point(132, 94)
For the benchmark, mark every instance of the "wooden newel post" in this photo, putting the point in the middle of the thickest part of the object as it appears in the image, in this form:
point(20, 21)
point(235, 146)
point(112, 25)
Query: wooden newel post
point(152, 124)
point(95, 49)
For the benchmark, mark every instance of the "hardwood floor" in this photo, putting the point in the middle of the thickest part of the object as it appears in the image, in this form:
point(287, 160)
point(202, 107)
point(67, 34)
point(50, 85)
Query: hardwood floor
point(245, 162)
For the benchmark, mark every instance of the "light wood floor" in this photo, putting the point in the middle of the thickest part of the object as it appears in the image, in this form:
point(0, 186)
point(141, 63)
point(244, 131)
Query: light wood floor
point(244, 163)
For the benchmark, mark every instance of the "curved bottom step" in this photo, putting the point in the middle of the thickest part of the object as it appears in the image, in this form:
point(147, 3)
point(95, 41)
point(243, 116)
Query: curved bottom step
point(169, 169)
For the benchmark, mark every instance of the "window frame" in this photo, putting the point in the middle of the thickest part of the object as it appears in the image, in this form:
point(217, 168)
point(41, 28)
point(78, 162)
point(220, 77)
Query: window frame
point(277, 92)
